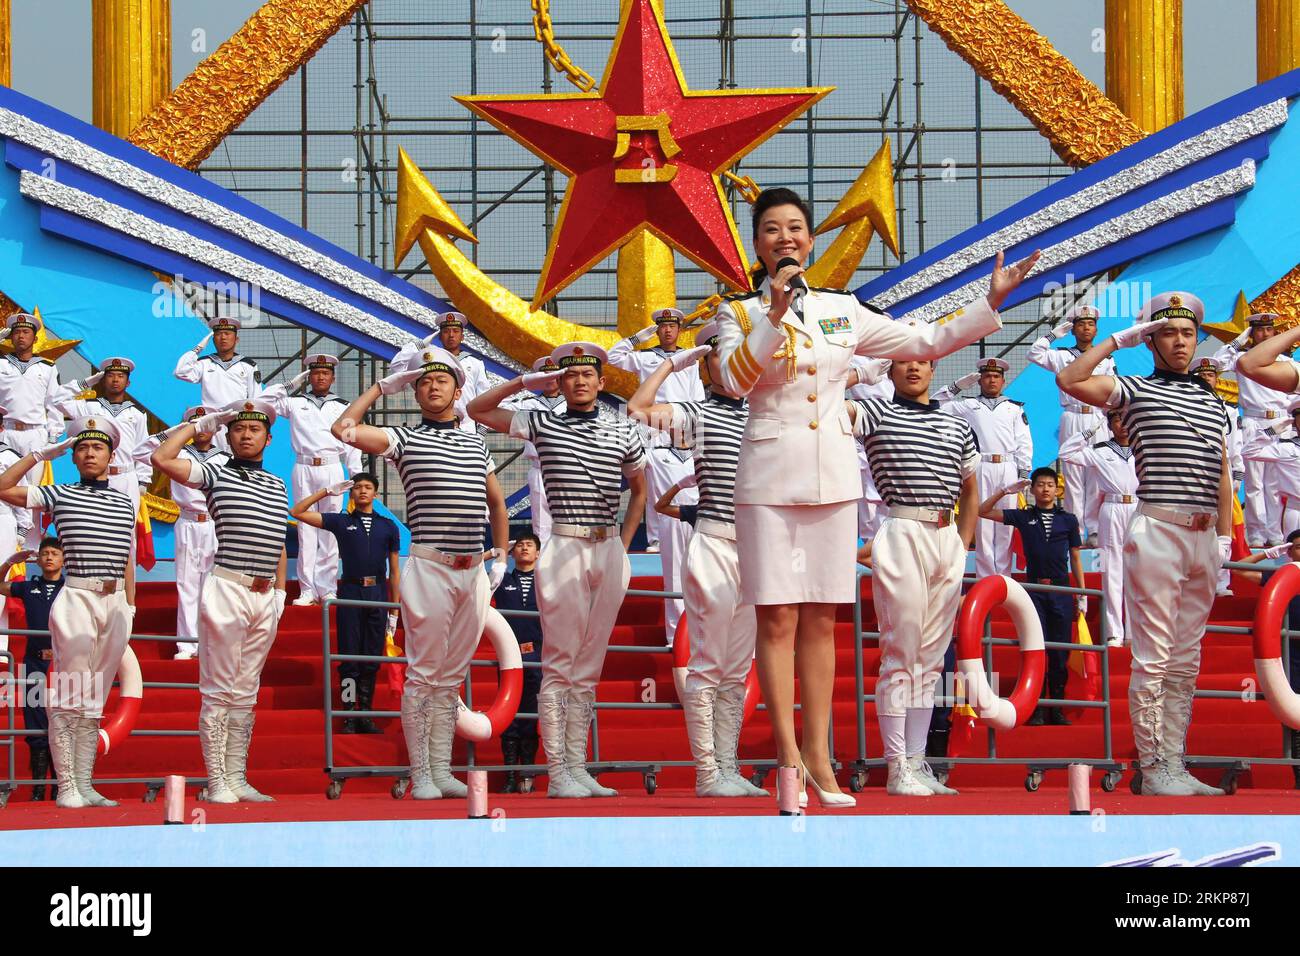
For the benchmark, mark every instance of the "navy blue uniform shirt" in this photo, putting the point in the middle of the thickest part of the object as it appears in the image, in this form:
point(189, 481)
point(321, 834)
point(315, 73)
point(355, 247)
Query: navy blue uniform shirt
point(37, 594)
point(512, 596)
point(364, 555)
point(1046, 555)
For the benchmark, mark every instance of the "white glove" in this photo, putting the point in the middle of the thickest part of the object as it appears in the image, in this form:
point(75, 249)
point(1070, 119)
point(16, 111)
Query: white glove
point(689, 481)
point(339, 487)
point(51, 452)
point(1274, 552)
point(1061, 330)
point(209, 423)
point(683, 359)
point(392, 624)
point(538, 379)
point(1018, 487)
point(1081, 603)
point(18, 558)
point(497, 573)
point(279, 603)
point(645, 335)
point(1225, 550)
point(1241, 342)
point(873, 371)
point(1134, 334)
point(203, 344)
point(409, 351)
point(88, 382)
point(298, 380)
point(6, 332)
point(966, 381)
point(397, 381)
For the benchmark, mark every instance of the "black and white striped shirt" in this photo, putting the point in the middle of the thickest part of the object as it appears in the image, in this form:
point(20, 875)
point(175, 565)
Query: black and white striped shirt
point(95, 523)
point(1178, 429)
point(444, 473)
point(715, 428)
point(918, 454)
point(583, 458)
point(249, 506)
point(525, 584)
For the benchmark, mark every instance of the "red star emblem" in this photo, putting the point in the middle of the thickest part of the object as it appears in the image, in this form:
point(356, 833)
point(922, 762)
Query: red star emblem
point(643, 152)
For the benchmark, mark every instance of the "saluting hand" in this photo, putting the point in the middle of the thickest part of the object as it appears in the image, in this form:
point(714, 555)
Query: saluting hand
point(19, 557)
point(299, 380)
point(51, 452)
point(1127, 338)
point(683, 359)
point(339, 487)
point(398, 380)
point(538, 379)
point(203, 343)
point(209, 423)
point(1005, 281)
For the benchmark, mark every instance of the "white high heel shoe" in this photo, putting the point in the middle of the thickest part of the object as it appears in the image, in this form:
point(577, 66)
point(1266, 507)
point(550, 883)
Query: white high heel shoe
point(828, 800)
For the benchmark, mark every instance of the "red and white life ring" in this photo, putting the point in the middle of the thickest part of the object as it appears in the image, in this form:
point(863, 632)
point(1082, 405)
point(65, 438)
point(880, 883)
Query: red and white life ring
point(479, 726)
point(682, 657)
point(983, 597)
point(114, 729)
point(1267, 642)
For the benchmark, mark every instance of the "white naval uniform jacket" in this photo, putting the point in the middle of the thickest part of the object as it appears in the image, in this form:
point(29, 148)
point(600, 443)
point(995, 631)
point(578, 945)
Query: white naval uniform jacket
point(1257, 402)
point(798, 447)
point(1111, 463)
point(220, 383)
point(310, 419)
point(131, 454)
point(1000, 428)
point(1043, 355)
point(683, 386)
point(27, 393)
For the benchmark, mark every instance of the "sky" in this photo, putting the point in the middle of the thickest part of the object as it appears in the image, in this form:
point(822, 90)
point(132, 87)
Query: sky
point(51, 43)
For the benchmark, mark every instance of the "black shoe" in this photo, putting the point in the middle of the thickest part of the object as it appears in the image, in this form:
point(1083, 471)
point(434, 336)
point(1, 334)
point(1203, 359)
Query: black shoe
point(365, 701)
point(40, 770)
point(527, 757)
point(936, 742)
point(1038, 718)
point(1056, 717)
point(1295, 755)
point(510, 757)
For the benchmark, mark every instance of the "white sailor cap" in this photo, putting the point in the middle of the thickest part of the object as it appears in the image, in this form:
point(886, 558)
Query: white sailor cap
point(1206, 363)
point(1082, 312)
point(1172, 305)
point(455, 319)
point(321, 360)
point(195, 411)
point(253, 410)
point(1262, 320)
point(573, 354)
point(545, 364)
point(664, 316)
point(225, 323)
point(435, 359)
point(994, 365)
point(707, 334)
point(24, 320)
point(117, 363)
point(94, 428)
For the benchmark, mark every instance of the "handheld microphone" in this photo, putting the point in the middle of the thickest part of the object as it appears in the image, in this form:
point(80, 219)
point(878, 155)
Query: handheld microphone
point(798, 287)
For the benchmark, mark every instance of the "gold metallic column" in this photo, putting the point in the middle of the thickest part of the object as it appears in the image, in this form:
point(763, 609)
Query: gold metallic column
point(132, 60)
point(646, 280)
point(6, 54)
point(1144, 60)
point(1277, 38)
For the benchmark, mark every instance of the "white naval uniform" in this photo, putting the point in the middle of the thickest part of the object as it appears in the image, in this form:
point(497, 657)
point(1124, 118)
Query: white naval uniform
point(1006, 454)
point(14, 525)
point(1260, 407)
point(662, 472)
point(476, 383)
point(220, 383)
point(1081, 498)
point(195, 537)
point(1115, 478)
point(319, 461)
point(27, 392)
point(1284, 455)
point(871, 509)
point(1178, 428)
point(537, 506)
point(798, 484)
point(672, 463)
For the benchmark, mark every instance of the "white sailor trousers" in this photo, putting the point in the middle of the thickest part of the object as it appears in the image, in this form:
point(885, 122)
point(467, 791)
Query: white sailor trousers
point(992, 538)
point(722, 628)
point(444, 610)
point(663, 468)
point(1082, 496)
point(236, 631)
point(196, 546)
point(538, 505)
point(916, 588)
point(1113, 532)
point(318, 550)
point(674, 539)
point(581, 583)
point(8, 540)
point(88, 633)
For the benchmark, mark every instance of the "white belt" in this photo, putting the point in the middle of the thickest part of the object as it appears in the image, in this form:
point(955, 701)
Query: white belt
point(100, 585)
point(1198, 521)
point(458, 562)
point(254, 584)
point(941, 517)
point(581, 531)
point(1121, 499)
point(715, 528)
point(14, 424)
point(193, 515)
point(1080, 409)
point(1269, 415)
point(997, 459)
point(318, 459)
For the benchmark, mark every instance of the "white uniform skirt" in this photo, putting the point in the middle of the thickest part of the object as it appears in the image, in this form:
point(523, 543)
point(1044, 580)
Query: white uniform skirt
point(797, 554)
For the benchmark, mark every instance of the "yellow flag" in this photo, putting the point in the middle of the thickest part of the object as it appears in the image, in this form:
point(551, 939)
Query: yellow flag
point(1078, 661)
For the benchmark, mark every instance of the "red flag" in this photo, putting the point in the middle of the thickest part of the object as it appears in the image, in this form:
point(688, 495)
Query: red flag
point(1240, 549)
point(1084, 682)
point(962, 733)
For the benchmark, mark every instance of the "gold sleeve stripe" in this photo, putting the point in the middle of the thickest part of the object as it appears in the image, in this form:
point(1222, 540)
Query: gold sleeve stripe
point(752, 368)
point(744, 378)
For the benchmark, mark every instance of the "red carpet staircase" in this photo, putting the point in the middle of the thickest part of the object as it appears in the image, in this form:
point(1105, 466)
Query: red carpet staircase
point(288, 754)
